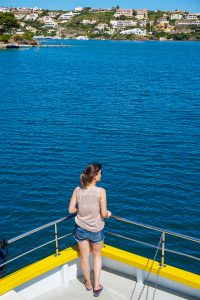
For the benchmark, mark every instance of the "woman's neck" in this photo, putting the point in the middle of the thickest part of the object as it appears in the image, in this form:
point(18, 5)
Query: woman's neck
point(91, 184)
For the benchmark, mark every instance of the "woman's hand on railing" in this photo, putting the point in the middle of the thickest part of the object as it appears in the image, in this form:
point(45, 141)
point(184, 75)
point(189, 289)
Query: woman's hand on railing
point(109, 214)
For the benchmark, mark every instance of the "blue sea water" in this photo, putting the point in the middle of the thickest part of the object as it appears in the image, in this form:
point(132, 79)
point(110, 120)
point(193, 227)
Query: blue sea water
point(134, 107)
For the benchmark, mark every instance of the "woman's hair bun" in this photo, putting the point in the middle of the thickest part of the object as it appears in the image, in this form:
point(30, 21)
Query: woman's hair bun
point(87, 176)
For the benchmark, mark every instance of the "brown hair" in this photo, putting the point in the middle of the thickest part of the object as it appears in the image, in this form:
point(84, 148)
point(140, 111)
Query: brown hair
point(89, 173)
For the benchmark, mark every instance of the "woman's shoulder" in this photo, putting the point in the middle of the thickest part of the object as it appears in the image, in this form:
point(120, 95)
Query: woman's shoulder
point(101, 190)
point(77, 189)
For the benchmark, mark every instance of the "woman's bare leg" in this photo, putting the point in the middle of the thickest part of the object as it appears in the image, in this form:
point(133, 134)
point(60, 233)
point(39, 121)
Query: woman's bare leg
point(84, 247)
point(97, 263)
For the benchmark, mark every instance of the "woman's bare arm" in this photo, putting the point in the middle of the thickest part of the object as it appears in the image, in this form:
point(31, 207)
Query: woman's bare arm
point(72, 205)
point(103, 202)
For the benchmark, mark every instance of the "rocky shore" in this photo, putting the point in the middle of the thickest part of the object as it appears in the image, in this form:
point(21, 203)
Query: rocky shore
point(16, 41)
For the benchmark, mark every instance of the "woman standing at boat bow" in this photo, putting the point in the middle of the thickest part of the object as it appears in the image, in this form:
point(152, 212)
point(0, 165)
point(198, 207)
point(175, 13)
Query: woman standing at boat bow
point(89, 201)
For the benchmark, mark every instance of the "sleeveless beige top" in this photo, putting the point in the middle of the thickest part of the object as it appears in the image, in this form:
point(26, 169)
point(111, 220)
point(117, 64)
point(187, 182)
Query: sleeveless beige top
point(88, 205)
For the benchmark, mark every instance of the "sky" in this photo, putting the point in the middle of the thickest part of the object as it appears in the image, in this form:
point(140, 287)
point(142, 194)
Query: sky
point(188, 5)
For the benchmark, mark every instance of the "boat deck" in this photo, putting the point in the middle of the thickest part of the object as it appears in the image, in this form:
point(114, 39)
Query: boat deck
point(116, 286)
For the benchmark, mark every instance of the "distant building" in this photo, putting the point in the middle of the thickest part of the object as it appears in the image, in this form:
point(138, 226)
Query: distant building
point(53, 14)
point(19, 31)
point(50, 23)
point(143, 23)
point(124, 12)
point(78, 9)
point(101, 26)
point(122, 23)
point(188, 23)
point(136, 31)
point(66, 16)
point(19, 16)
point(31, 17)
point(192, 16)
point(99, 9)
point(37, 9)
point(4, 9)
point(24, 9)
point(31, 29)
point(141, 14)
point(176, 17)
point(88, 22)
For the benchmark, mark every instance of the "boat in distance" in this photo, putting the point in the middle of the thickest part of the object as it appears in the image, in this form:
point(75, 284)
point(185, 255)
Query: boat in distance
point(125, 275)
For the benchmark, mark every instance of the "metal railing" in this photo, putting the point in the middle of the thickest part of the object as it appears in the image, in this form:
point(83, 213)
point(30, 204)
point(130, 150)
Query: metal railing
point(163, 238)
point(55, 225)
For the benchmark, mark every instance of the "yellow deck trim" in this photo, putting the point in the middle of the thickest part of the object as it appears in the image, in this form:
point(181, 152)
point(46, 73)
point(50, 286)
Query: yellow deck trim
point(169, 272)
point(36, 269)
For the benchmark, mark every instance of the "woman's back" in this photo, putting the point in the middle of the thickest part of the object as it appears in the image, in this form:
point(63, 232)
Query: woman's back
point(88, 214)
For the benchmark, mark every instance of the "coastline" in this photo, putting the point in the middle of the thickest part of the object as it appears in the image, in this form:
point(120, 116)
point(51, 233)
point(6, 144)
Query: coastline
point(38, 45)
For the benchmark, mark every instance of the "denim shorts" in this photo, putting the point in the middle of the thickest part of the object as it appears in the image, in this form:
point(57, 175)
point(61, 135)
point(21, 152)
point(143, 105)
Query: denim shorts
point(81, 234)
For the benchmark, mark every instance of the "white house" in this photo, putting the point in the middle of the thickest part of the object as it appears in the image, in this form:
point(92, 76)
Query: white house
point(143, 23)
point(66, 16)
point(31, 29)
point(141, 14)
point(37, 9)
point(78, 9)
point(192, 16)
point(24, 9)
point(19, 16)
point(4, 9)
point(122, 23)
point(31, 17)
point(50, 23)
point(188, 23)
point(88, 22)
point(101, 26)
point(176, 17)
point(136, 31)
point(19, 31)
point(53, 14)
point(123, 12)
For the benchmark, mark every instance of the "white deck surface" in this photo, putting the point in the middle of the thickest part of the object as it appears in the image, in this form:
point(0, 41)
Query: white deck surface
point(116, 286)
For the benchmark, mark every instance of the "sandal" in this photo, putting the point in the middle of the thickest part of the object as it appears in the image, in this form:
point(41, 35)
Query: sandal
point(98, 292)
point(87, 289)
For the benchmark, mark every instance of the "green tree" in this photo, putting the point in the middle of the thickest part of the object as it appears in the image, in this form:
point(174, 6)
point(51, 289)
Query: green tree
point(134, 13)
point(5, 38)
point(7, 22)
point(122, 17)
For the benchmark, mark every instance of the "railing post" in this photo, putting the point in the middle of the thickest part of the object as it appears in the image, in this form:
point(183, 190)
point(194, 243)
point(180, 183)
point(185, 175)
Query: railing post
point(56, 239)
point(163, 251)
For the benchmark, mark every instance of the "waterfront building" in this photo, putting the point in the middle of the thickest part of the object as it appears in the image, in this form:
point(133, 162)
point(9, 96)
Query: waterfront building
point(122, 23)
point(176, 17)
point(136, 31)
point(123, 12)
point(141, 14)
